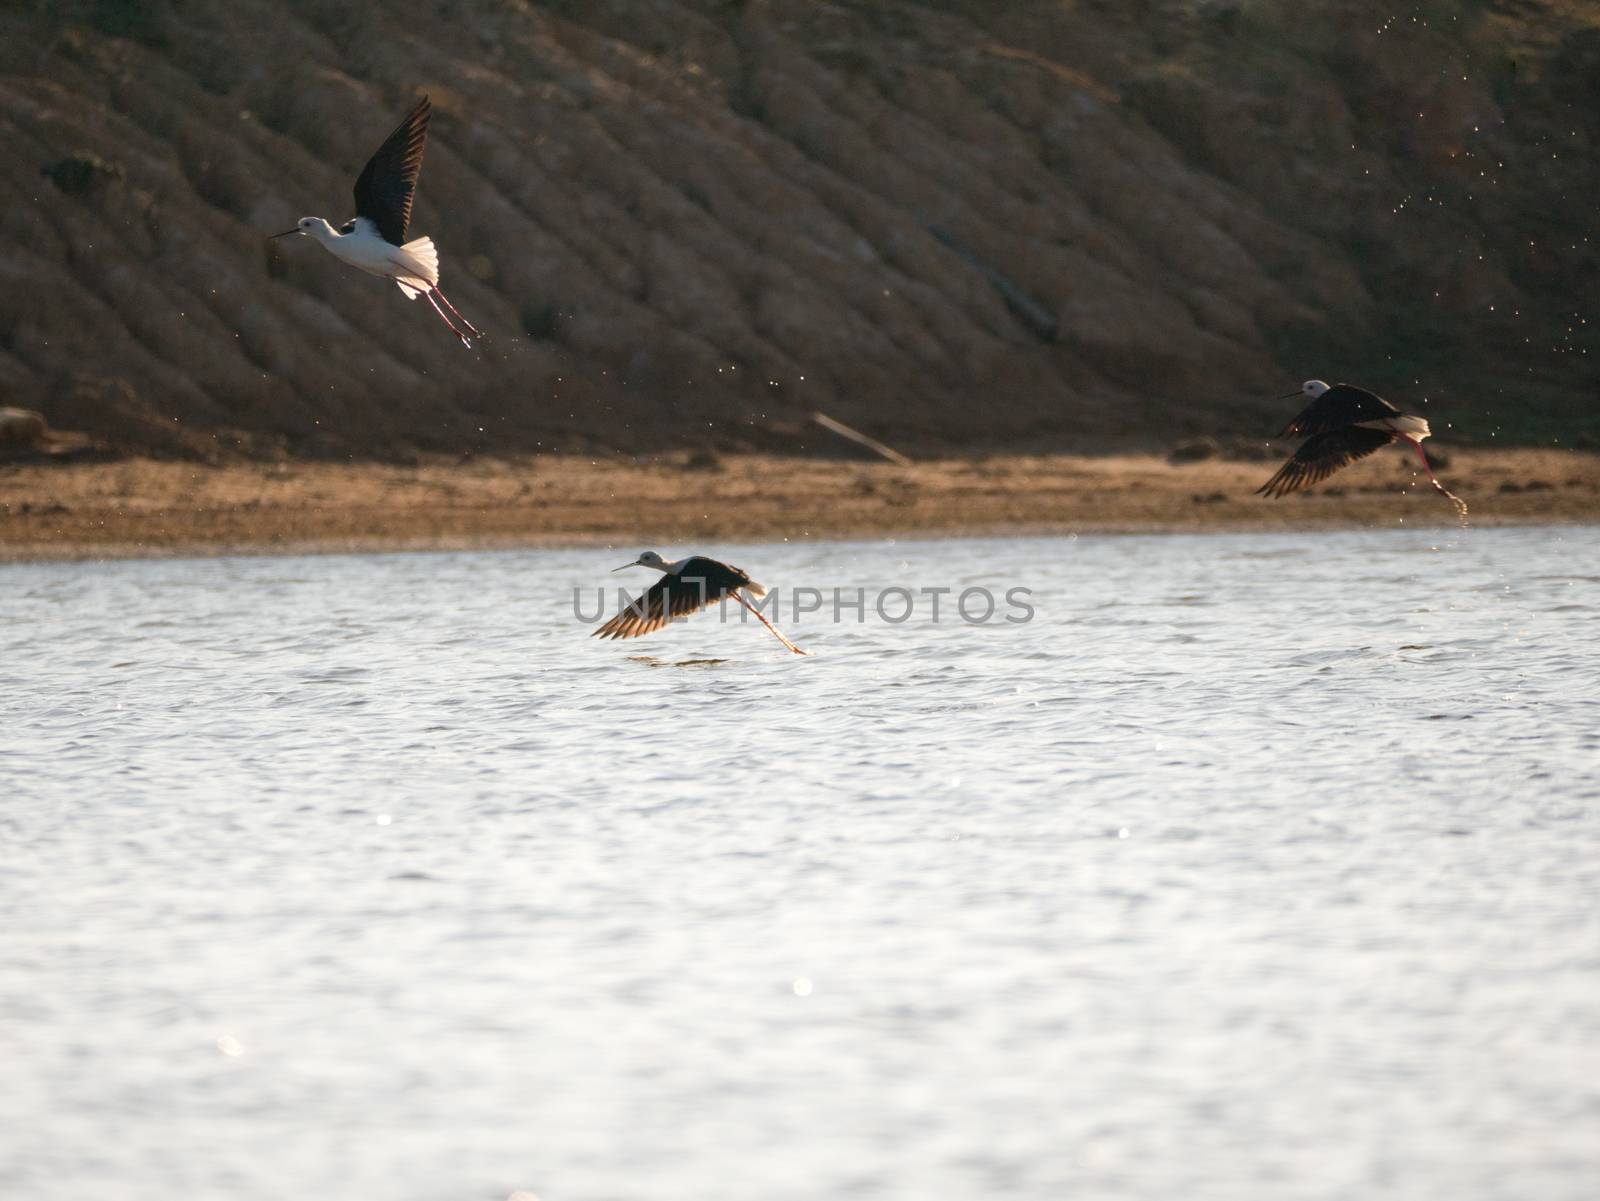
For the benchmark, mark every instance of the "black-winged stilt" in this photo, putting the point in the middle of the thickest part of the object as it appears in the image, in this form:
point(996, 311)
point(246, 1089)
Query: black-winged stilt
point(1340, 425)
point(686, 586)
point(375, 238)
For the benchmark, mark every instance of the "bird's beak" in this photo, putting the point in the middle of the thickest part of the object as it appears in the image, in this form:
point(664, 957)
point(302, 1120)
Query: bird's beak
point(1290, 396)
point(624, 567)
point(284, 234)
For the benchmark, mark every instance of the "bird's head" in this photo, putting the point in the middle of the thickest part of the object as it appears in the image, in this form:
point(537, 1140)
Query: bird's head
point(310, 226)
point(1312, 388)
point(648, 559)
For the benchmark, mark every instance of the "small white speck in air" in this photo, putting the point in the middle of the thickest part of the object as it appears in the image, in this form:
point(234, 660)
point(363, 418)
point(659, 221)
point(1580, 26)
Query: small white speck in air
point(230, 1046)
point(383, 819)
point(802, 987)
point(1122, 832)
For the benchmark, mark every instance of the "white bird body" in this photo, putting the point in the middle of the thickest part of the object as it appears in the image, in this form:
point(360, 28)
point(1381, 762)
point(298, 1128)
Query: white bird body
point(414, 266)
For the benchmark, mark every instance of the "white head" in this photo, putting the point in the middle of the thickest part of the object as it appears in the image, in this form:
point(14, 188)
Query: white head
point(1312, 388)
point(313, 227)
point(648, 559)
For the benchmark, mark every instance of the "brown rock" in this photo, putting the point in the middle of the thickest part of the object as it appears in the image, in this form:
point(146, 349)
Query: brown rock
point(1196, 451)
point(21, 427)
point(701, 460)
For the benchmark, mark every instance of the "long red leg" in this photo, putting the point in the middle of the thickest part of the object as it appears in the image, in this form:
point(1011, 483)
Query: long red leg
point(762, 619)
point(448, 323)
point(454, 312)
point(1461, 505)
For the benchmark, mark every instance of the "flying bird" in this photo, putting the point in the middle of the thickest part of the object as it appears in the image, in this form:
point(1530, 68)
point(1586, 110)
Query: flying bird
point(375, 238)
point(1340, 425)
point(686, 586)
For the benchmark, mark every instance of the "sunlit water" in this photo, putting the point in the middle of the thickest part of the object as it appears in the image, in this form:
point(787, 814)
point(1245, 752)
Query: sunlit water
point(1253, 867)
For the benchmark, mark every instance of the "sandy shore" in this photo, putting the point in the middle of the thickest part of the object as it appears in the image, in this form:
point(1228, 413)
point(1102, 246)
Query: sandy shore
point(142, 507)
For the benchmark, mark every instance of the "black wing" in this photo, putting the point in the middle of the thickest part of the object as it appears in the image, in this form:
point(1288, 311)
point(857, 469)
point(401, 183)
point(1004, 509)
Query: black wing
point(720, 577)
point(670, 596)
point(1321, 456)
point(389, 180)
point(1339, 406)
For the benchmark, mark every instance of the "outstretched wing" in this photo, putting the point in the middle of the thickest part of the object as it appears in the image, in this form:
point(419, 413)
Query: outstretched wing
point(1339, 406)
point(670, 596)
point(1321, 456)
point(389, 180)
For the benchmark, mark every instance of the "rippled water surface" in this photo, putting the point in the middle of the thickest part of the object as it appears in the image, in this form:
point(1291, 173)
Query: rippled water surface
point(1253, 867)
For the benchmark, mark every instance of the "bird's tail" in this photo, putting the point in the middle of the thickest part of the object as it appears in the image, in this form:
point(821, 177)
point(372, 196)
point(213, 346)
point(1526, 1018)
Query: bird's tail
point(419, 259)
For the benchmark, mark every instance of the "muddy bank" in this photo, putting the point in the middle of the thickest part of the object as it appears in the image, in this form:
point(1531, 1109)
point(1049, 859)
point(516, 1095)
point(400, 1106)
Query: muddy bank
point(145, 507)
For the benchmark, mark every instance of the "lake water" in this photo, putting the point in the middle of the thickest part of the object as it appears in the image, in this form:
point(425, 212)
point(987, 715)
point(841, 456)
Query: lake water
point(1251, 867)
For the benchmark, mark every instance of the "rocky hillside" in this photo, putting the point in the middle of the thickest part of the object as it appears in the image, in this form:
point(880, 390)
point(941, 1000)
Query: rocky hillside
point(954, 224)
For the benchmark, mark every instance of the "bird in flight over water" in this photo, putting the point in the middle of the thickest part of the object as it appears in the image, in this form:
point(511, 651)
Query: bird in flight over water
point(1340, 425)
point(686, 586)
point(375, 238)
